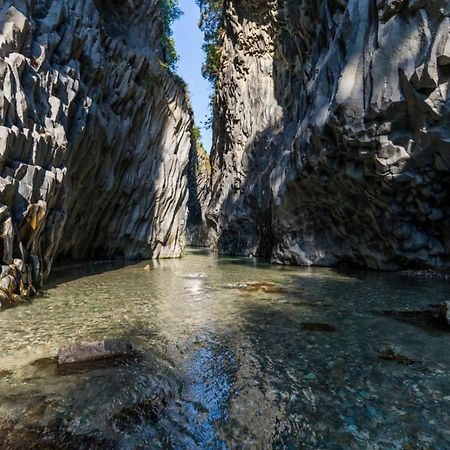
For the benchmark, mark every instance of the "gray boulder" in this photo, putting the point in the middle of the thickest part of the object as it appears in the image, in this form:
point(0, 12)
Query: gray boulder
point(93, 351)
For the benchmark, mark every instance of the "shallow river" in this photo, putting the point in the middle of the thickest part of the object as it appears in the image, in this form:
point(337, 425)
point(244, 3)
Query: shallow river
point(296, 364)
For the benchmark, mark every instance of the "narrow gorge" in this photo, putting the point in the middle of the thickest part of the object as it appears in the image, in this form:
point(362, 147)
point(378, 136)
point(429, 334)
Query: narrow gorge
point(330, 136)
point(287, 288)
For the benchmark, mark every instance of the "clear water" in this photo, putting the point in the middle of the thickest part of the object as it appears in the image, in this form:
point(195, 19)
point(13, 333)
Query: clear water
point(237, 368)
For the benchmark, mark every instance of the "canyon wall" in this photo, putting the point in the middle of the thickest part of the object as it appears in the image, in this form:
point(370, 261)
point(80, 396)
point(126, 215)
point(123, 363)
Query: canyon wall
point(94, 137)
point(332, 133)
point(199, 175)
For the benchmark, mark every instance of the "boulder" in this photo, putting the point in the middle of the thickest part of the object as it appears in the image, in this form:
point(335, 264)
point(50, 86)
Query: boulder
point(92, 351)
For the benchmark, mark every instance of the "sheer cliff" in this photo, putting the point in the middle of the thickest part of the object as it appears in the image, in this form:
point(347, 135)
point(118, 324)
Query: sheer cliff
point(332, 132)
point(94, 136)
point(199, 175)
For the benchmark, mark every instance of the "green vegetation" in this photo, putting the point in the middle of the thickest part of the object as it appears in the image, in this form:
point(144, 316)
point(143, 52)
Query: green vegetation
point(153, 80)
point(202, 154)
point(196, 135)
point(170, 13)
point(211, 25)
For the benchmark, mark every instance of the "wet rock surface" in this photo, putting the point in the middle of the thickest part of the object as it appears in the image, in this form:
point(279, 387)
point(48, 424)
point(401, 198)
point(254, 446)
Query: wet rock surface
point(331, 134)
point(389, 354)
point(197, 231)
point(92, 351)
point(131, 416)
point(436, 317)
point(94, 137)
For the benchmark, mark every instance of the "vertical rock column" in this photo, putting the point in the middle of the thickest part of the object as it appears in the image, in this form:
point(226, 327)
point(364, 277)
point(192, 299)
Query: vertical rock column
point(94, 137)
point(256, 113)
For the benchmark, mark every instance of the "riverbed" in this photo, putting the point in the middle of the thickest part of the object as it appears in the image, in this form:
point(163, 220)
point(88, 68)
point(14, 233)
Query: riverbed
point(232, 353)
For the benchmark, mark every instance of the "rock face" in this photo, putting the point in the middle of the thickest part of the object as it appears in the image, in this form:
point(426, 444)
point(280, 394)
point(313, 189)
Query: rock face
point(197, 232)
point(94, 136)
point(332, 133)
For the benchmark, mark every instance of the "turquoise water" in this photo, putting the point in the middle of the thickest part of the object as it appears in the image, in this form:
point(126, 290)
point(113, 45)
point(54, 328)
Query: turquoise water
point(292, 363)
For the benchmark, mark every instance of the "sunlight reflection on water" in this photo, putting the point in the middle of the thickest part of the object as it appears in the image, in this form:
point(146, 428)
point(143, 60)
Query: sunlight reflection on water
point(292, 362)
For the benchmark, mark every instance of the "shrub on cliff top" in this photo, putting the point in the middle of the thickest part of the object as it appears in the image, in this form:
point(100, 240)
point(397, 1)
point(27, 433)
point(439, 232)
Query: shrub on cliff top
point(211, 25)
point(170, 12)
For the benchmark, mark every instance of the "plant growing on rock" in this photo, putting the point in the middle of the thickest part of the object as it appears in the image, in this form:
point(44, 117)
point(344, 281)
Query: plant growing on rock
point(170, 13)
point(203, 157)
point(211, 24)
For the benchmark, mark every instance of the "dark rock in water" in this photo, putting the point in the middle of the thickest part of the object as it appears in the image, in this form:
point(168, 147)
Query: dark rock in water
point(5, 373)
point(435, 318)
point(148, 410)
point(312, 326)
point(98, 364)
point(54, 436)
point(390, 355)
point(92, 351)
point(51, 366)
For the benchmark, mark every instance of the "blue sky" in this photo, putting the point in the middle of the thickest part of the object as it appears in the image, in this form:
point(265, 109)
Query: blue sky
point(188, 41)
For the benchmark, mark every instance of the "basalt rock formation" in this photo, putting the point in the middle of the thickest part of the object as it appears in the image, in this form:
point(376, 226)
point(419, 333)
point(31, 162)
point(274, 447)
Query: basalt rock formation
point(197, 231)
point(94, 136)
point(332, 132)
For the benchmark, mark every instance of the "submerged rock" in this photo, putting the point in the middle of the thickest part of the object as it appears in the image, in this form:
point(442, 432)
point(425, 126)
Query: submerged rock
point(390, 355)
point(56, 435)
point(92, 351)
point(258, 286)
point(435, 318)
point(264, 286)
point(148, 410)
point(313, 326)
